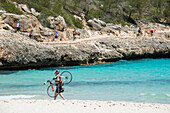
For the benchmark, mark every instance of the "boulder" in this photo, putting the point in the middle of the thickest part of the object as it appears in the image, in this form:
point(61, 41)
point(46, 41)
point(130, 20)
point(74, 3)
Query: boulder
point(60, 21)
point(84, 33)
point(30, 22)
point(6, 27)
point(77, 17)
point(24, 8)
point(95, 25)
point(57, 23)
point(27, 22)
point(33, 11)
point(46, 31)
point(102, 23)
point(11, 19)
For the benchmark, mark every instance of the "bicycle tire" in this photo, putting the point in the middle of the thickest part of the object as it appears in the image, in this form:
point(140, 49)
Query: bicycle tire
point(67, 75)
point(50, 92)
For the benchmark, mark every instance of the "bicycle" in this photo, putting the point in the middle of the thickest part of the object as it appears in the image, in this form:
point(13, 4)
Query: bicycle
point(66, 78)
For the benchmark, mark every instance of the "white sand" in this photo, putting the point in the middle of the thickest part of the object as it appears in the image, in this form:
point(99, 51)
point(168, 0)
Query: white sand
point(79, 106)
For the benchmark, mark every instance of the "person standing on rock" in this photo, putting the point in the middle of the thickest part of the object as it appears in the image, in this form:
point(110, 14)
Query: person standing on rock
point(31, 34)
point(74, 34)
point(18, 26)
point(152, 30)
point(139, 32)
point(56, 35)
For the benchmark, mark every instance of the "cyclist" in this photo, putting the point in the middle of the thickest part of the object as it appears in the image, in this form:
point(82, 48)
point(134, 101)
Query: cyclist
point(18, 26)
point(56, 35)
point(139, 32)
point(31, 34)
point(152, 30)
point(74, 34)
point(59, 85)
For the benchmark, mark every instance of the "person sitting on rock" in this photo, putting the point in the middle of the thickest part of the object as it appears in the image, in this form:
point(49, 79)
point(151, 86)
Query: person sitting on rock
point(31, 34)
point(18, 26)
point(56, 35)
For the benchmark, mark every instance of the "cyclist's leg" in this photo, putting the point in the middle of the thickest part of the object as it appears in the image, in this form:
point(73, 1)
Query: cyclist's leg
point(62, 96)
point(56, 94)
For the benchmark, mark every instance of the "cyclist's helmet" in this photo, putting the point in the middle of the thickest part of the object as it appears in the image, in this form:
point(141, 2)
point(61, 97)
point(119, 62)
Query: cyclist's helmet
point(56, 72)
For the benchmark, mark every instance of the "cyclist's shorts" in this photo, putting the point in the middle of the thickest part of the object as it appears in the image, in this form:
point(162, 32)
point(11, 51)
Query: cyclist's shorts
point(59, 90)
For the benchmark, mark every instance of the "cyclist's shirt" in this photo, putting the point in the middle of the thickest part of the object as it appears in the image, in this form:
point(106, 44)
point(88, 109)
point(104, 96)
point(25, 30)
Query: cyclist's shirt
point(59, 83)
point(18, 25)
point(56, 33)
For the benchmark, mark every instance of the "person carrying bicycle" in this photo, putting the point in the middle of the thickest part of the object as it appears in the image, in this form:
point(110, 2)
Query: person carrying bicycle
point(59, 84)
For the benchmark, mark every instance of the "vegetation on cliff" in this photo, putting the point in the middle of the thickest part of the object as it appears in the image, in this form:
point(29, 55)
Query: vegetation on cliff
point(113, 11)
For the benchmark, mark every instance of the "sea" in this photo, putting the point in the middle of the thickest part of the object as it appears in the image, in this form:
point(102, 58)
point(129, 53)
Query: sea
point(142, 80)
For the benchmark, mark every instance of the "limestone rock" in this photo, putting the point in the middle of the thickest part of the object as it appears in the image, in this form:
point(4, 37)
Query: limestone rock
point(17, 51)
point(27, 22)
point(94, 25)
point(33, 11)
point(58, 23)
point(77, 17)
point(102, 23)
point(24, 8)
point(46, 32)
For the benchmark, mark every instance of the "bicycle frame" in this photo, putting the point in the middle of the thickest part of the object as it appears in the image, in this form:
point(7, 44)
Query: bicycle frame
point(65, 79)
point(48, 81)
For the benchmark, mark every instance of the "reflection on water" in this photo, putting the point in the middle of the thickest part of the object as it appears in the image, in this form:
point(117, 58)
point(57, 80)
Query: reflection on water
point(7, 72)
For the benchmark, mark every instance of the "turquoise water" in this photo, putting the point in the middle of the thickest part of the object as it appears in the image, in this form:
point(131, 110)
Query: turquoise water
point(144, 80)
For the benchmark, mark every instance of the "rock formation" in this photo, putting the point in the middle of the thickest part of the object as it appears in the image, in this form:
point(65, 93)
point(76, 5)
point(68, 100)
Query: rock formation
point(19, 52)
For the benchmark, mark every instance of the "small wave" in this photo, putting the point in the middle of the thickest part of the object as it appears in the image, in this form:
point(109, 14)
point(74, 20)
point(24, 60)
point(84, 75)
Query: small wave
point(142, 94)
point(168, 95)
point(155, 95)
point(17, 96)
point(149, 94)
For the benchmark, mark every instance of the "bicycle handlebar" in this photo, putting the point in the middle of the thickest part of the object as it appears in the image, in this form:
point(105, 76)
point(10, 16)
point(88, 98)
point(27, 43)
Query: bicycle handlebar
point(48, 81)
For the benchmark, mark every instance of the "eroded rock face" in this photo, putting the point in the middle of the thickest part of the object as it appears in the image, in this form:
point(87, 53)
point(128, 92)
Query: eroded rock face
point(34, 12)
point(57, 23)
point(27, 22)
point(17, 51)
point(24, 8)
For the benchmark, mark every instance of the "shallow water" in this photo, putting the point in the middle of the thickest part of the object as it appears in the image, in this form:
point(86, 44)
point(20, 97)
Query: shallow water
point(144, 80)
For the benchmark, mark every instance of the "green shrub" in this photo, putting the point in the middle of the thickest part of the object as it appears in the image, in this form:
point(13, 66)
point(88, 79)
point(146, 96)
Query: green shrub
point(78, 23)
point(9, 7)
point(96, 13)
point(167, 11)
point(43, 20)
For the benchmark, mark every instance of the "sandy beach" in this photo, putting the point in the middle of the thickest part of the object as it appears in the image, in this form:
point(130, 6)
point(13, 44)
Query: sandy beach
point(79, 106)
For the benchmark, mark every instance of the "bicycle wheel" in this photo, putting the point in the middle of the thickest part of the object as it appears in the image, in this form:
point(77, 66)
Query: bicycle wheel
point(66, 77)
point(51, 92)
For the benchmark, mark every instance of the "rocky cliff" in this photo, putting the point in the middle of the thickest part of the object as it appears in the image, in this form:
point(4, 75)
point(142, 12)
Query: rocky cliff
point(20, 52)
